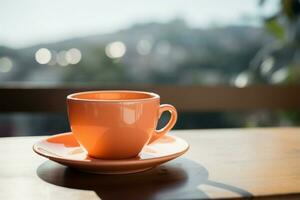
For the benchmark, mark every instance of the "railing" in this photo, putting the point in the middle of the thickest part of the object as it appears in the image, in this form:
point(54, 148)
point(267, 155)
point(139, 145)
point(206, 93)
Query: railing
point(184, 98)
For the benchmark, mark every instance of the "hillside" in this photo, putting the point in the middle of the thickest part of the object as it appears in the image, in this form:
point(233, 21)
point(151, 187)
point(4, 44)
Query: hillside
point(176, 53)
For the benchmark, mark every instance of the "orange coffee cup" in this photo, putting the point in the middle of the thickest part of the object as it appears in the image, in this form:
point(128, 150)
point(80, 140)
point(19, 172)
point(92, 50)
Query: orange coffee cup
point(117, 124)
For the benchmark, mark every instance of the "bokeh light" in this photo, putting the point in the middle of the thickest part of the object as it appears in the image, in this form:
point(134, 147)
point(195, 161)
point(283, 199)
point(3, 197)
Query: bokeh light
point(144, 47)
point(280, 75)
point(43, 56)
point(6, 64)
point(61, 58)
point(52, 61)
point(267, 65)
point(115, 49)
point(73, 56)
point(242, 80)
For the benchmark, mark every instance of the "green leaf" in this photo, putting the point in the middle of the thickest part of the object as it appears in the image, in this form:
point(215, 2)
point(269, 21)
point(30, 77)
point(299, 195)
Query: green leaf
point(275, 28)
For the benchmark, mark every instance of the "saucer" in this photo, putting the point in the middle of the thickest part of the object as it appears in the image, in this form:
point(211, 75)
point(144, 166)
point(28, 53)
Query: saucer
point(64, 149)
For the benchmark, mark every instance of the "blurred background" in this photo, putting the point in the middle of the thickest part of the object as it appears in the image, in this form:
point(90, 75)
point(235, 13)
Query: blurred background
point(95, 44)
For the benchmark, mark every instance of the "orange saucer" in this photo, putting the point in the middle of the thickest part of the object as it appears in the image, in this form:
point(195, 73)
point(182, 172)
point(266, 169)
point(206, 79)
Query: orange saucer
point(64, 149)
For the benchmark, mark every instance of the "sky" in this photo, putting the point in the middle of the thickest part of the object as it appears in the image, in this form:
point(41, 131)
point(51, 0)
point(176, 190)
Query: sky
point(29, 22)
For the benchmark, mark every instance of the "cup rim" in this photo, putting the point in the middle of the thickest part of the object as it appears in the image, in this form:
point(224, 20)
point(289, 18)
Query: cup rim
point(152, 96)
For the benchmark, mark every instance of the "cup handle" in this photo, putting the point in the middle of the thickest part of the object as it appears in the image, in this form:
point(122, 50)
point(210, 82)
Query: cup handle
point(158, 133)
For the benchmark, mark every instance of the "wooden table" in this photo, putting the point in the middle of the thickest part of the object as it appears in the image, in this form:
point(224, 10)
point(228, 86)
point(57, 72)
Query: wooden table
point(224, 163)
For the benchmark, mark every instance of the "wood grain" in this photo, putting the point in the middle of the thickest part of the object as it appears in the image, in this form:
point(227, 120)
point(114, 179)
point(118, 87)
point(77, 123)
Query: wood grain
point(184, 98)
point(224, 163)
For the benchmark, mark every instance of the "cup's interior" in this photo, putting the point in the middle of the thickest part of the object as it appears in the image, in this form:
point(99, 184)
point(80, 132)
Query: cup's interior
point(113, 95)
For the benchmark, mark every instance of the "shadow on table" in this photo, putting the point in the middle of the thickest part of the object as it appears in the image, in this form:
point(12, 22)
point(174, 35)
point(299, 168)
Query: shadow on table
point(180, 178)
